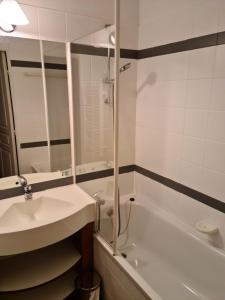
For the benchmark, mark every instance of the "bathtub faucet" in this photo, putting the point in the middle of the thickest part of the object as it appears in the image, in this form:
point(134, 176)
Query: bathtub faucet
point(27, 188)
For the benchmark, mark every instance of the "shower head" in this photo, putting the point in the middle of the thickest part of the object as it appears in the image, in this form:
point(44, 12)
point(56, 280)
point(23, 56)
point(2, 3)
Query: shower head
point(125, 67)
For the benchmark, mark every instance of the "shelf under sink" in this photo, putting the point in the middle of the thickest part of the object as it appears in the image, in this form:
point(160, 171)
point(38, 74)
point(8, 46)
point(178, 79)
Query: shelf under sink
point(34, 268)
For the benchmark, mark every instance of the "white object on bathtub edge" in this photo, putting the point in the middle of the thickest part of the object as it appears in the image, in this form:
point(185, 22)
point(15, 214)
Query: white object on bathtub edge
point(206, 227)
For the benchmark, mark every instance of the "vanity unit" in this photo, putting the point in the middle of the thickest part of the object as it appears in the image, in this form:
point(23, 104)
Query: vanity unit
point(44, 243)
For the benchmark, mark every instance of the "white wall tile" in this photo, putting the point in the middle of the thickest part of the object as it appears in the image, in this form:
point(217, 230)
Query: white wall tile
point(24, 49)
point(193, 150)
point(191, 175)
point(214, 156)
point(161, 94)
point(195, 122)
point(166, 67)
point(98, 68)
point(199, 93)
point(221, 25)
point(80, 26)
point(166, 119)
point(28, 157)
point(216, 126)
point(30, 30)
point(164, 30)
point(201, 63)
point(218, 92)
point(181, 206)
point(28, 105)
point(214, 184)
point(52, 25)
point(205, 17)
point(81, 68)
point(220, 62)
point(195, 87)
point(97, 8)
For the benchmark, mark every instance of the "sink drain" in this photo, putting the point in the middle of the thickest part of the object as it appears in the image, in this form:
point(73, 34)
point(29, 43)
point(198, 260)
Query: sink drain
point(124, 255)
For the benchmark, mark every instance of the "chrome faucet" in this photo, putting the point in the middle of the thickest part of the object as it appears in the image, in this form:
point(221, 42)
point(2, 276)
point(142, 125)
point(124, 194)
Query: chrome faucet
point(27, 188)
point(99, 202)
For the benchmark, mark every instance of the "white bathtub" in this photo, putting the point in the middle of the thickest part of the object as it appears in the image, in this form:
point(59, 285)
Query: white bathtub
point(165, 258)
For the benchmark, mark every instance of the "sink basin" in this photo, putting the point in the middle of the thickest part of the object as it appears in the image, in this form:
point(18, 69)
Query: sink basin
point(39, 209)
point(50, 217)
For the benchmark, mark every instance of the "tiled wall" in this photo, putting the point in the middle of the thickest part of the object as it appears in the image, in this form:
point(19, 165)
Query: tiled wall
point(94, 117)
point(28, 104)
point(180, 120)
point(69, 20)
point(58, 118)
point(63, 20)
point(163, 22)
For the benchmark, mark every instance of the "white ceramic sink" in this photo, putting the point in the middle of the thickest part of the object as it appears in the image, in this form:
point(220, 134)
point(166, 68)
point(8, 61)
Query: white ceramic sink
point(51, 216)
point(31, 211)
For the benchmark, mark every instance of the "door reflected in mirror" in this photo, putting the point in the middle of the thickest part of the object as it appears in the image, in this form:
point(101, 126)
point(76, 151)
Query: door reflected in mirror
point(34, 112)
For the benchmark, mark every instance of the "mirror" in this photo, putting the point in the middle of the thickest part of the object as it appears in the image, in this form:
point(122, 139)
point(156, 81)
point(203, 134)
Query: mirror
point(58, 107)
point(93, 96)
point(34, 113)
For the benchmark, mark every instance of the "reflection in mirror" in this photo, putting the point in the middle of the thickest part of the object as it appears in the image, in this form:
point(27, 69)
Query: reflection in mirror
point(57, 107)
point(26, 114)
point(92, 66)
point(93, 95)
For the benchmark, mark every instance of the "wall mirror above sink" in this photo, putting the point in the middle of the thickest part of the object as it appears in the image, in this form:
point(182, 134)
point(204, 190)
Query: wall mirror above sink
point(34, 112)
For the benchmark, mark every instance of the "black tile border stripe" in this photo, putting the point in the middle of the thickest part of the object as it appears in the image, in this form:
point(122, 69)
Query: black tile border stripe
point(44, 143)
point(37, 65)
point(25, 64)
point(203, 198)
point(209, 40)
point(103, 173)
point(194, 194)
point(100, 51)
point(59, 142)
point(185, 45)
point(36, 187)
point(33, 144)
point(204, 41)
point(54, 66)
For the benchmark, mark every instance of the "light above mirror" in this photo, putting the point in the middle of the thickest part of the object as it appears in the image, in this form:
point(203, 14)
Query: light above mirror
point(11, 15)
point(7, 27)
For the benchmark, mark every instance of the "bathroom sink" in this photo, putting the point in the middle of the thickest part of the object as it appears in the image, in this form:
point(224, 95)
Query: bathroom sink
point(51, 216)
point(39, 209)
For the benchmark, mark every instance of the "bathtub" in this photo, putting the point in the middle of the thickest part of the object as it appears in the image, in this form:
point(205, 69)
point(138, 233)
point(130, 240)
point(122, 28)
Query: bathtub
point(165, 258)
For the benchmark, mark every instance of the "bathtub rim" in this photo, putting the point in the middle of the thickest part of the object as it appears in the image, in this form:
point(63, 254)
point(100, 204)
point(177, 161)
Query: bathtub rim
point(125, 267)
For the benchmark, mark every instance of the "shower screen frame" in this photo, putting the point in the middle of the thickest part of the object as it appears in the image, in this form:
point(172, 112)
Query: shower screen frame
point(115, 120)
